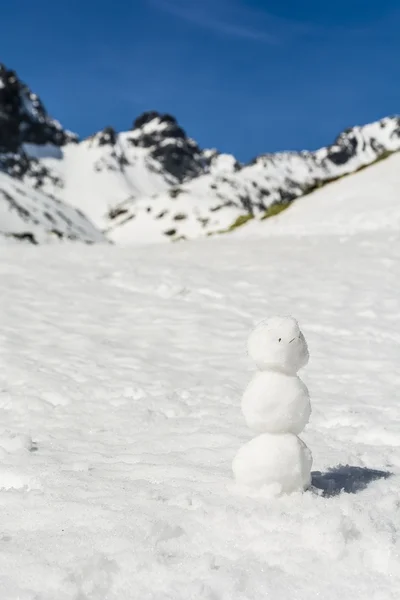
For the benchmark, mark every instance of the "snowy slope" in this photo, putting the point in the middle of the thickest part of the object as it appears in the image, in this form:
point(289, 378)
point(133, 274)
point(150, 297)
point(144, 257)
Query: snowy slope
point(30, 215)
point(153, 182)
point(120, 385)
point(212, 203)
point(96, 178)
point(30, 208)
point(106, 174)
point(366, 201)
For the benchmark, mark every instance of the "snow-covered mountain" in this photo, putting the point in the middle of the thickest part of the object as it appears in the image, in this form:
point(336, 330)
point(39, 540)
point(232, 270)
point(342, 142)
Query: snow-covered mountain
point(367, 201)
point(27, 214)
point(228, 196)
point(153, 182)
point(120, 385)
point(29, 208)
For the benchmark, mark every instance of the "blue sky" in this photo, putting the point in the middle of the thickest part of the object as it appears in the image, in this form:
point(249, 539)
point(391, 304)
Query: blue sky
point(245, 76)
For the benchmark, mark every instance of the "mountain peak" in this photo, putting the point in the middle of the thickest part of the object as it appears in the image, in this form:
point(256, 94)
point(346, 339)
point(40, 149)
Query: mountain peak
point(154, 177)
point(107, 136)
point(152, 126)
point(23, 117)
point(168, 144)
point(153, 115)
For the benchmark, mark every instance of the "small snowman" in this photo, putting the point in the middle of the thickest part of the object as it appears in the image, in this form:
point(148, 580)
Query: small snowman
point(276, 405)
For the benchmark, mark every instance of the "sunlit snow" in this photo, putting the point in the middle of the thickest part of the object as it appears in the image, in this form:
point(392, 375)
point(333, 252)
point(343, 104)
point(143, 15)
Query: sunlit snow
point(121, 374)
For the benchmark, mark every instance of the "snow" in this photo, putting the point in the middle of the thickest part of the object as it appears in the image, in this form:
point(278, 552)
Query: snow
point(128, 193)
point(31, 106)
point(25, 210)
point(345, 205)
point(365, 201)
point(44, 151)
point(121, 375)
point(223, 163)
point(155, 125)
point(96, 178)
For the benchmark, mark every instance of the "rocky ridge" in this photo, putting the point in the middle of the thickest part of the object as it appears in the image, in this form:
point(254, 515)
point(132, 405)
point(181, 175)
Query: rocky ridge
point(152, 182)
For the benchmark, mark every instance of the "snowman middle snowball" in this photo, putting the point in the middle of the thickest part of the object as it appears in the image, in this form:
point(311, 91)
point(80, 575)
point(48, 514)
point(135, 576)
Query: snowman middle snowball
point(276, 403)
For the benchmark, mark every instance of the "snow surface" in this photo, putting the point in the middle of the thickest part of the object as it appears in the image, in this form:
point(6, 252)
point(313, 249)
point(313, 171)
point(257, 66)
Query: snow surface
point(25, 210)
point(211, 203)
point(120, 382)
point(44, 151)
point(98, 178)
point(127, 192)
point(365, 201)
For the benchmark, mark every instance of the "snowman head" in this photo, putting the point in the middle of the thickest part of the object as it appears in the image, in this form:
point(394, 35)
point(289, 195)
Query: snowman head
point(277, 344)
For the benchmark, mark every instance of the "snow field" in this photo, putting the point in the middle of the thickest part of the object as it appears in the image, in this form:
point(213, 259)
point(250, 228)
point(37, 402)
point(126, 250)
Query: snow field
point(121, 375)
point(367, 201)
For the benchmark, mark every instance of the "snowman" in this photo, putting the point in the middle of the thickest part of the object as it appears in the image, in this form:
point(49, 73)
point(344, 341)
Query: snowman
point(276, 405)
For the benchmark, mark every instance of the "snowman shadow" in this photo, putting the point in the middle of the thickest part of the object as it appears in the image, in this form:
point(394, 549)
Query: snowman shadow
point(345, 478)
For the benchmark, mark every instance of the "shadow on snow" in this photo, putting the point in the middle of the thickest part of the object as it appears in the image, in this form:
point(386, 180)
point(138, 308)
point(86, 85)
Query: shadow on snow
point(345, 478)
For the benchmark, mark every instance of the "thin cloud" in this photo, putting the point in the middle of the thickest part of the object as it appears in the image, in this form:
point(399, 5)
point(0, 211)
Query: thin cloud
point(232, 18)
point(219, 18)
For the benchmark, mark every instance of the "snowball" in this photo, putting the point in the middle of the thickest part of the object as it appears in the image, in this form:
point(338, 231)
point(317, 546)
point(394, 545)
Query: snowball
point(274, 459)
point(277, 343)
point(274, 402)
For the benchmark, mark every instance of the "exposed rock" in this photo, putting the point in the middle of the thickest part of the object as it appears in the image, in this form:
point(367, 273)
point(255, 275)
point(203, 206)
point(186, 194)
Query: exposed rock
point(23, 117)
point(169, 145)
point(107, 137)
point(156, 178)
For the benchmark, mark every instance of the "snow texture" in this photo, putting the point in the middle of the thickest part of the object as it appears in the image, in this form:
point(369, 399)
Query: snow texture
point(211, 203)
point(153, 183)
point(120, 382)
point(366, 201)
point(30, 215)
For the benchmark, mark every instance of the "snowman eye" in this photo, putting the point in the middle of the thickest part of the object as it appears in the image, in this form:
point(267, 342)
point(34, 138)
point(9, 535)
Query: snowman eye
point(280, 339)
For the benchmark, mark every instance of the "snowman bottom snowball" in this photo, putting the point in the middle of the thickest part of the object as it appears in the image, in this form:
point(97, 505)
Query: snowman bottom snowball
point(274, 459)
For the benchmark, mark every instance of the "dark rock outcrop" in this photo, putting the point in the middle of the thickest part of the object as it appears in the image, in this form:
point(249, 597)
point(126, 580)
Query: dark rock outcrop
point(178, 155)
point(23, 117)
